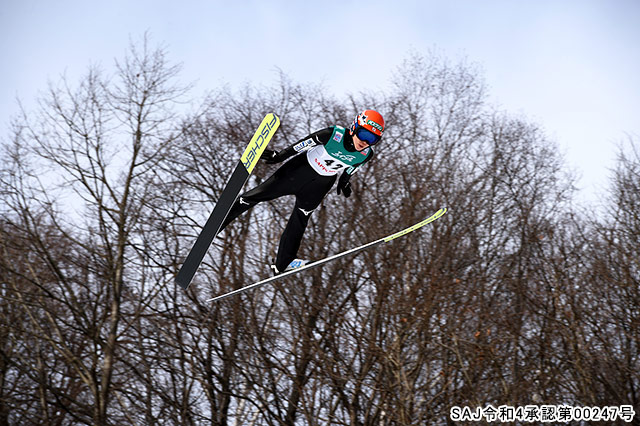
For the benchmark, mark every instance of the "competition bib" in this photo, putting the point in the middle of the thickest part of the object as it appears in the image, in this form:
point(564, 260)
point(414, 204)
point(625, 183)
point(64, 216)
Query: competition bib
point(329, 159)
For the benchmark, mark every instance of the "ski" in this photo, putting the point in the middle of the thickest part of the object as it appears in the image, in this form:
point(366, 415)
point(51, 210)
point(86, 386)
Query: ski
point(238, 178)
point(418, 225)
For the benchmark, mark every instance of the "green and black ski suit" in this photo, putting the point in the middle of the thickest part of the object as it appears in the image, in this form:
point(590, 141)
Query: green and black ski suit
point(309, 177)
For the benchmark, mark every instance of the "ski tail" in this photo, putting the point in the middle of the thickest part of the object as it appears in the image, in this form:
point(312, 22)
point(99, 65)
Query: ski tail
point(232, 189)
point(355, 250)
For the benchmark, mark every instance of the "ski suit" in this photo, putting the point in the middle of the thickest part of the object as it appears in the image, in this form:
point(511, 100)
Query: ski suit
point(309, 177)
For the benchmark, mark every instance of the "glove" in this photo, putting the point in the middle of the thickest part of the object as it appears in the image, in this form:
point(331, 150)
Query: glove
point(271, 157)
point(344, 185)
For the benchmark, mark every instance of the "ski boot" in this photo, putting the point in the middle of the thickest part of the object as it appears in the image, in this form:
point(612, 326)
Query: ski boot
point(295, 264)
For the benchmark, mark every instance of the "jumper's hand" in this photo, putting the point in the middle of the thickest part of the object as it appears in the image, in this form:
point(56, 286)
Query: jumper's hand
point(271, 157)
point(344, 185)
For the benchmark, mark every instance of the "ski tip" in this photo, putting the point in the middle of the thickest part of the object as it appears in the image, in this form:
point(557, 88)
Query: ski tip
point(259, 141)
point(437, 215)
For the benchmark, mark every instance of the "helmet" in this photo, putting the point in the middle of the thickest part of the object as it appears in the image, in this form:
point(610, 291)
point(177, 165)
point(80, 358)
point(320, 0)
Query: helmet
point(368, 126)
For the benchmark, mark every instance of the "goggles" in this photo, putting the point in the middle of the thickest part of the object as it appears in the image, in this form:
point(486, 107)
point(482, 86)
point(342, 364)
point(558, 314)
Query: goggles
point(367, 136)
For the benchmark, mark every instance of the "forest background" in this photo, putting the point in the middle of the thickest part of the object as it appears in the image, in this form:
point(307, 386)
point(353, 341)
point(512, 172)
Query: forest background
point(518, 295)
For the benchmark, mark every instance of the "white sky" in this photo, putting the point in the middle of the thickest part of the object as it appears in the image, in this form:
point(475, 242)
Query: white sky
point(573, 66)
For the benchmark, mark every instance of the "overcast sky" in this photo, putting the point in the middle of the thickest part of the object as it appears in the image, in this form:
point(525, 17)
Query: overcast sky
point(572, 66)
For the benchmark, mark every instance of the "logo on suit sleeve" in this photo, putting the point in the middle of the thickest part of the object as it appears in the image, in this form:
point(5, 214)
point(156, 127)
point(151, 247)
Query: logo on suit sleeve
point(304, 145)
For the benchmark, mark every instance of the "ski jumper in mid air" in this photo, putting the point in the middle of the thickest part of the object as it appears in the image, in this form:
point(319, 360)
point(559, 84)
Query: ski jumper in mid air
point(310, 174)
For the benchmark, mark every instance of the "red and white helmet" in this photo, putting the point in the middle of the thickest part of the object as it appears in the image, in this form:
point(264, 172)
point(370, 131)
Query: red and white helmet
point(368, 126)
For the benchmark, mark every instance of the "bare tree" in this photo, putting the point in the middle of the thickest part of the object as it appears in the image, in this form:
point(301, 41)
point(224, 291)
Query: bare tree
point(512, 298)
point(608, 309)
point(97, 143)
